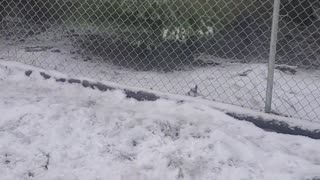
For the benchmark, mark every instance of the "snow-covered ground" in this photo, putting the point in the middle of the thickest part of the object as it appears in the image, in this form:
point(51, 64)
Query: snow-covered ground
point(240, 84)
point(62, 131)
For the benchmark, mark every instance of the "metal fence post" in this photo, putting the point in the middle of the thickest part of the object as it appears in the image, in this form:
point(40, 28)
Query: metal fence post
point(272, 55)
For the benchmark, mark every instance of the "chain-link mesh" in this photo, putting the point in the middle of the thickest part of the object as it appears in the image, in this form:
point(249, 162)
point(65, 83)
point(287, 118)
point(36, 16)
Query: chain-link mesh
point(298, 58)
point(215, 49)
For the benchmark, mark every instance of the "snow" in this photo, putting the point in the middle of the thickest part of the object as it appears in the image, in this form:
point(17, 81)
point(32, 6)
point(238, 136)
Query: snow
point(295, 95)
point(61, 131)
point(227, 108)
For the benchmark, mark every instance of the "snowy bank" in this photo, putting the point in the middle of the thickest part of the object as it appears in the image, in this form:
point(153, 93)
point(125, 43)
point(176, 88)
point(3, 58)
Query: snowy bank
point(56, 131)
point(270, 122)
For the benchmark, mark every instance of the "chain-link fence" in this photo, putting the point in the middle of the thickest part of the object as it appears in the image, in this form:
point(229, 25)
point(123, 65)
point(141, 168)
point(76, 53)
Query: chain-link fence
point(214, 49)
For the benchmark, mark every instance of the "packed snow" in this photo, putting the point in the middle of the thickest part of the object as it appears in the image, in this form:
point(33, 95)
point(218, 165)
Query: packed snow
point(62, 131)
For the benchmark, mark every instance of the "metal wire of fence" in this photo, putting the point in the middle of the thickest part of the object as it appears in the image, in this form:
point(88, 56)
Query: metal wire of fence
point(214, 49)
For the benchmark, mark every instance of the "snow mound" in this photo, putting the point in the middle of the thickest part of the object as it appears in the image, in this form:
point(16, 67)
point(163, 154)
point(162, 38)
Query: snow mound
point(61, 131)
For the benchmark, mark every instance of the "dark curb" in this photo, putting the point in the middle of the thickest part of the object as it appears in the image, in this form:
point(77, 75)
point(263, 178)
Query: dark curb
point(276, 126)
point(137, 95)
point(44, 75)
